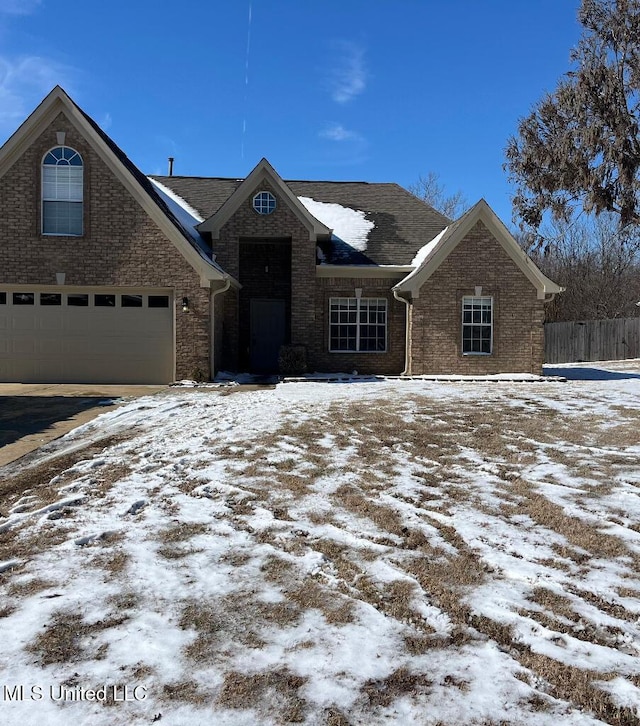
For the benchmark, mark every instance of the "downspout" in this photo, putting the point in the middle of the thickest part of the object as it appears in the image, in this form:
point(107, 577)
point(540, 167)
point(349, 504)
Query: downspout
point(212, 326)
point(407, 337)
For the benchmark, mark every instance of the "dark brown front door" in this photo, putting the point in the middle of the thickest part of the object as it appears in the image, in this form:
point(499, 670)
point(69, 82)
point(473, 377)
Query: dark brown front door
point(267, 334)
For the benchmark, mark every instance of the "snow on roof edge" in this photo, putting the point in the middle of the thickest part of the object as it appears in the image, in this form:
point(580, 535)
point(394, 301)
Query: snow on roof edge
point(349, 225)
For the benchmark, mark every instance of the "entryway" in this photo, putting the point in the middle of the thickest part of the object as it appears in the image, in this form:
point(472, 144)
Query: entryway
point(268, 329)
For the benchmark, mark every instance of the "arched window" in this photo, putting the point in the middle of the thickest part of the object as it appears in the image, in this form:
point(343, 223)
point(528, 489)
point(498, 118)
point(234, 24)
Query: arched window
point(62, 192)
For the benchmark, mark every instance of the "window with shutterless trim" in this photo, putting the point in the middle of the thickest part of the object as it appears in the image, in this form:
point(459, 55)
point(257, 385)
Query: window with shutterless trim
point(62, 192)
point(357, 325)
point(477, 325)
point(24, 298)
point(104, 301)
point(78, 300)
point(131, 301)
point(50, 298)
point(264, 203)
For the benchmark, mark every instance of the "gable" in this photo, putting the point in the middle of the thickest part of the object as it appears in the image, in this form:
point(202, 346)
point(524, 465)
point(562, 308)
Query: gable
point(39, 133)
point(432, 256)
point(263, 178)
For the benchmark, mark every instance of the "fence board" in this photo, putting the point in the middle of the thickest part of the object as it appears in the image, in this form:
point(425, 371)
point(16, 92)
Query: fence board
point(591, 340)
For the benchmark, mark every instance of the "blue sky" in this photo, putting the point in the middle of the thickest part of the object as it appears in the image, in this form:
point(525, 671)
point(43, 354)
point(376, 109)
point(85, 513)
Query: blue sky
point(384, 90)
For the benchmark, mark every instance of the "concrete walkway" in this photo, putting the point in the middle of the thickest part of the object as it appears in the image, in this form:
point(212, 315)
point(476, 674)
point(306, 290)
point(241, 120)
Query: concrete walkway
point(32, 414)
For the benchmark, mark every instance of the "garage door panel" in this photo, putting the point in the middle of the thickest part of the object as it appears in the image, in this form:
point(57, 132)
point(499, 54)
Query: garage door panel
point(24, 322)
point(51, 348)
point(92, 344)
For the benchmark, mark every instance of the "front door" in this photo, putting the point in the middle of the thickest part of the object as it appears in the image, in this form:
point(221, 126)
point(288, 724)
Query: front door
point(267, 334)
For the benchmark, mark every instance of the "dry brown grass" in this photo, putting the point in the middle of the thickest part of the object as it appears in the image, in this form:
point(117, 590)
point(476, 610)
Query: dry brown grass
point(65, 638)
point(184, 691)
point(175, 539)
point(23, 542)
point(277, 690)
point(579, 532)
point(400, 683)
point(181, 531)
point(107, 475)
point(238, 618)
point(335, 717)
point(31, 586)
point(6, 610)
point(576, 686)
point(335, 607)
point(112, 561)
point(360, 502)
point(37, 478)
point(125, 600)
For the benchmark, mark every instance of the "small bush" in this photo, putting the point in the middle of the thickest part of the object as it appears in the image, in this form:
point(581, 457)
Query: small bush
point(292, 359)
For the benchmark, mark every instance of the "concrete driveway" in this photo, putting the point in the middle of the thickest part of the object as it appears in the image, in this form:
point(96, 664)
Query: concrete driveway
point(32, 414)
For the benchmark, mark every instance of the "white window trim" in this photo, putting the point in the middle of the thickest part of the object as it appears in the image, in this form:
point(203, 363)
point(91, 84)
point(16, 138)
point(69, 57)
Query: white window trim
point(484, 325)
point(267, 211)
point(358, 303)
point(43, 199)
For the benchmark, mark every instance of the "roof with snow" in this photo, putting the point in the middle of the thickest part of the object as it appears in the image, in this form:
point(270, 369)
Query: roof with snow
point(164, 201)
point(372, 223)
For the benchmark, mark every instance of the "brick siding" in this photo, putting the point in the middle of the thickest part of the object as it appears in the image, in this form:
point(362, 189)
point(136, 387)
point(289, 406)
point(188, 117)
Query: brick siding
point(436, 315)
point(245, 226)
point(390, 362)
point(121, 245)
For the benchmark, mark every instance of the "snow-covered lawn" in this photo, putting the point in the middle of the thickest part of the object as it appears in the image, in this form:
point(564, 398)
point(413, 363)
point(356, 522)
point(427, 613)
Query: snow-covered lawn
point(363, 553)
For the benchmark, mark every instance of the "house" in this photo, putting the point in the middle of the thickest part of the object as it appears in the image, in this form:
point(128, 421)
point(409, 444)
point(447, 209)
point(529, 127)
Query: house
point(111, 276)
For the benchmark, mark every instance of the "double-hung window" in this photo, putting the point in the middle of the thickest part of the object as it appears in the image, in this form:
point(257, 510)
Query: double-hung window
point(477, 325)
point(62, 192)
point(357, 325)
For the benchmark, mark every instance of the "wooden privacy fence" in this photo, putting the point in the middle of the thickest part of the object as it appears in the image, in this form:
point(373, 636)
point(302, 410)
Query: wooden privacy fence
point(589, 340)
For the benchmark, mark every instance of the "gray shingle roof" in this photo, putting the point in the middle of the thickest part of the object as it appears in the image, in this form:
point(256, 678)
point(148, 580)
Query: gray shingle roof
point(149, 188)
point(403, 223)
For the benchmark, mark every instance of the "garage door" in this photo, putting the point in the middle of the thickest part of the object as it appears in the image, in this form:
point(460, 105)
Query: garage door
point(98, 335)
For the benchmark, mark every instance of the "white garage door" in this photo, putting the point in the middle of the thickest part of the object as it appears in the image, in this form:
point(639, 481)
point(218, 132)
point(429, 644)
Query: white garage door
point(98, 335)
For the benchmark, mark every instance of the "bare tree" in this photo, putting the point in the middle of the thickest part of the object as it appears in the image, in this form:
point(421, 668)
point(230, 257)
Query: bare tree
point(597, 263)
point(580, 148)
point(430, 190)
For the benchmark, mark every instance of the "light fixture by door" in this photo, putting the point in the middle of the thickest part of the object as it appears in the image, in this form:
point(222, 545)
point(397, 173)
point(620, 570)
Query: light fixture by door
point(185, 304)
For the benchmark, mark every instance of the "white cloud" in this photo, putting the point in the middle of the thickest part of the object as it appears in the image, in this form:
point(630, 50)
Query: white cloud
point(23, 84)
point(349, 75)
point(19, 7)
point(106, 121)
point(337, 132)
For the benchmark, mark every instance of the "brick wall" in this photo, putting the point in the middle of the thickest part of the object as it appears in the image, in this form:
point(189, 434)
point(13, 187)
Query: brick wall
point(246, 225)
point(121, 245)
point(391, 362)
point(436, 316)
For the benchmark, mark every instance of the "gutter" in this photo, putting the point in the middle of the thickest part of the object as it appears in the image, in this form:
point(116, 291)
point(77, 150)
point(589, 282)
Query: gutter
point(212, 325)
point(407, 338)
point(550, 295)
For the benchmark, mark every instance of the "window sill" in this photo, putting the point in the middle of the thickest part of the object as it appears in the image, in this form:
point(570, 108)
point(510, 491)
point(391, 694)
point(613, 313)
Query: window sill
point(483, 355)
point(61, 234)
point(358, 352)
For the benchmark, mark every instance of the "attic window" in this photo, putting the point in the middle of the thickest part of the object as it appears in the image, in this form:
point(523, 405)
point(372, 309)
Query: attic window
point(264, 203)
point(62, 192)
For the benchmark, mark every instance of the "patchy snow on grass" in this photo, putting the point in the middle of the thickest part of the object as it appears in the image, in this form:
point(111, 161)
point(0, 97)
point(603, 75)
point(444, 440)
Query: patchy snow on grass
point(349, 225)
point(406, 552)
